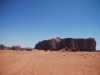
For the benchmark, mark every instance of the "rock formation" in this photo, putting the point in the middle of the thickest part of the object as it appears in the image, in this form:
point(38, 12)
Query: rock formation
point(51, 44)
point(78, 44)
point(15, 47)
point(2, 47)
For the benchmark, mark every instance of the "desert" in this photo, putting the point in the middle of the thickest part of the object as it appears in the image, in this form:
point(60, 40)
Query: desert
point(49, 37)
point(40, 62)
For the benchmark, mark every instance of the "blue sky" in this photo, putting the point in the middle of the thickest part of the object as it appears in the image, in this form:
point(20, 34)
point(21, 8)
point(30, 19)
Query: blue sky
point(26, 22)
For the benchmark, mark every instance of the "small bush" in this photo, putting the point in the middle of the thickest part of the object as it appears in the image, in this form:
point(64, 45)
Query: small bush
point(86, 54)
point(84, 57)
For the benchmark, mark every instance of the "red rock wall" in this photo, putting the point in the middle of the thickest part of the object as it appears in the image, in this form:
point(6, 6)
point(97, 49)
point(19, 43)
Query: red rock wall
point(79, 44)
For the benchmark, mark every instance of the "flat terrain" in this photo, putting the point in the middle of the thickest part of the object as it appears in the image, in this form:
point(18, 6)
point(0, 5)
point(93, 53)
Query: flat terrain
point(49, 63)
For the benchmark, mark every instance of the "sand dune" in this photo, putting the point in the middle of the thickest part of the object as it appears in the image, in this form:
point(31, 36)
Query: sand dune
point(49, 63)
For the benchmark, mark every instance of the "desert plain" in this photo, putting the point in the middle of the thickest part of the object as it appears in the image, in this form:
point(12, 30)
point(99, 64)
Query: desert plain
point(39, 62)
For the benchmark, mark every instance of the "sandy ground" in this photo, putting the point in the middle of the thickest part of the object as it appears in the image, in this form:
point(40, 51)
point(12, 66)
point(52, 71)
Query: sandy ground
point(49, 63)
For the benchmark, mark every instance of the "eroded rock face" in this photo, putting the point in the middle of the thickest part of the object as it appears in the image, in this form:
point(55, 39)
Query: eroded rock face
point(79, 44)
point(51, 44)
point(91, 44)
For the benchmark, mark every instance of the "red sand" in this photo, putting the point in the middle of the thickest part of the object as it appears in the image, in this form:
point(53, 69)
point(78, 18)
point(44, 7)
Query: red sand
point(49, 63)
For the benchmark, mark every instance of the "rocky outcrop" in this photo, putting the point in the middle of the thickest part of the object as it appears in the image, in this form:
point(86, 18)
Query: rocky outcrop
point(2, 47)
point(51, 44)
point(15, 47)
point(78, 44)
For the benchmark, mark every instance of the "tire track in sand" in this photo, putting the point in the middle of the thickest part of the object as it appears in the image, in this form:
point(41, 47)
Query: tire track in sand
point(13, 69)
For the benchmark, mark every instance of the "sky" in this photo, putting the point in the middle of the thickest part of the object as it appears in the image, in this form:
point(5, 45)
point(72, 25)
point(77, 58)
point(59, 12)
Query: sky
point(26, 22)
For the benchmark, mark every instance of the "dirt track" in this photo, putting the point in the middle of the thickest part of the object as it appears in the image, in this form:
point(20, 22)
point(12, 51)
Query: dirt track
point(49, 63)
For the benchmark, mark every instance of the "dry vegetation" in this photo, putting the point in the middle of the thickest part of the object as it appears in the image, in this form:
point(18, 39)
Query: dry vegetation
point(49, 63)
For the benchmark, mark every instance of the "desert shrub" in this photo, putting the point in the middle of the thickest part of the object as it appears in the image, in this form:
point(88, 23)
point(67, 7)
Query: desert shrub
point(82, 55)
point(86, 54)
point(85, 57)
point(28, 49)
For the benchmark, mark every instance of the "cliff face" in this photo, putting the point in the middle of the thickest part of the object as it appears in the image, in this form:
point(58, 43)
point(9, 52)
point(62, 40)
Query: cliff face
point(79, 44)
point(51, 44)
